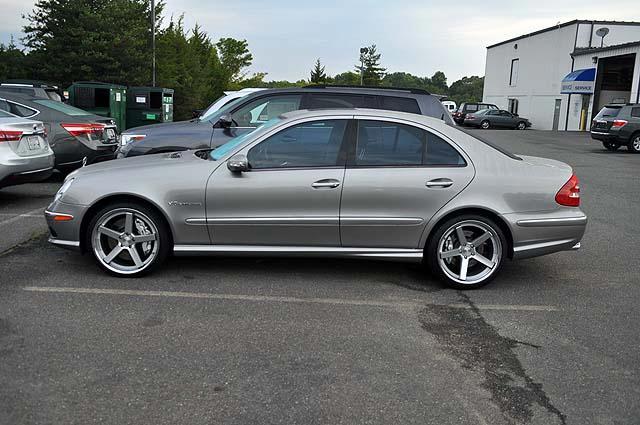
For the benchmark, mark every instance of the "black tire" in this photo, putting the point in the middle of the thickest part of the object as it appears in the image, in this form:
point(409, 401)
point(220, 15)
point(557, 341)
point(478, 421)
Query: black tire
point(521, 125)
point(433, 248)
point(634, 143)
point(610, 146)
point(485, 125)
point(164, 239)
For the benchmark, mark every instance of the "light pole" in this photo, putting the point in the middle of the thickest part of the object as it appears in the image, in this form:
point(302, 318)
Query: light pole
point(363, 51)
point(153, 43)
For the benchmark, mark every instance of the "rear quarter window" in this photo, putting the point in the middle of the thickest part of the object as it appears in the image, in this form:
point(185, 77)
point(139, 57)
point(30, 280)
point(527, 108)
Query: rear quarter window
point(401, 104)
point(635, 112)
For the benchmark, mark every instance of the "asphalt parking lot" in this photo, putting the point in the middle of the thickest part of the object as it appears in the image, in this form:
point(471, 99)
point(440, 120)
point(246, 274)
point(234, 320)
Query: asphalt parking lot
point(552, 340)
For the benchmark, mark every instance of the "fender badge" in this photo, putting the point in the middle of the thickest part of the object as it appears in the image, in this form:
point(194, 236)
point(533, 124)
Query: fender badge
point(184, 204)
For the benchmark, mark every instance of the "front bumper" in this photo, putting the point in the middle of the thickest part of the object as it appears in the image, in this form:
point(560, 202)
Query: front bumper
point(66, 231)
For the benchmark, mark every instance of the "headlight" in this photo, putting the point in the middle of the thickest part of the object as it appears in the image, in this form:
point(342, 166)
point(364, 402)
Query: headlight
point(125, 139)
point(63, 189)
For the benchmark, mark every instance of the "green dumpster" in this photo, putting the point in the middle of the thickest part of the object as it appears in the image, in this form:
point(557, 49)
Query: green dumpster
point(105, 99)
point(149, 105)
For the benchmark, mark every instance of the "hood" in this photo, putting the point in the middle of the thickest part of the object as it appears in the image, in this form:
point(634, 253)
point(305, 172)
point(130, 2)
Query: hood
point(160, 128)
point(136, 162)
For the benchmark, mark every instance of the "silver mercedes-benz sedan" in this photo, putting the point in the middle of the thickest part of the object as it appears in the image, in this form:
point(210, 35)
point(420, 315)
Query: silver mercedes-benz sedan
point(25, 155)
point(332, 183)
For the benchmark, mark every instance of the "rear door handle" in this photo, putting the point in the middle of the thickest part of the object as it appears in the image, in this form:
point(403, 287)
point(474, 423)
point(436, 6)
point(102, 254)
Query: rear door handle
point(328, 183)
point(439, 183)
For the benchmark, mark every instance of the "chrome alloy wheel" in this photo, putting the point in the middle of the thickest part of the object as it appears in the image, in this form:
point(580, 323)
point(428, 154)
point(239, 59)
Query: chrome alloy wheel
point(469, 252)
point(635, 144)
point(125, 240)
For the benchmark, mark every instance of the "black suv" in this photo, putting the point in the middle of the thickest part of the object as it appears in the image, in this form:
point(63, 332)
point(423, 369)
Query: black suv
point(240, 116)
point(471, 107)
point(618, 125)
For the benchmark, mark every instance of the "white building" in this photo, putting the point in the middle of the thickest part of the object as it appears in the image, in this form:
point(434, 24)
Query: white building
point(560, 77)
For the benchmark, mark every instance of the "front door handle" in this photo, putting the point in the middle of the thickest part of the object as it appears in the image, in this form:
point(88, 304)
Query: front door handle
point(439, 183)
point(328, 183)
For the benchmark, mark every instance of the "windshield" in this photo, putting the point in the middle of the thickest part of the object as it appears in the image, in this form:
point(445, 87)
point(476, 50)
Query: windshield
point(222, 150)
point(62, 107)
point(608, 111)
point(210, 114)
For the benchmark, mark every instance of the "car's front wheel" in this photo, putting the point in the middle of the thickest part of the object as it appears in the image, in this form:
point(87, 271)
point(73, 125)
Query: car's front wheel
point(466, 252)
point(128, 239)
point(634, 144)
point(521, 125)
point(485, 124)
point(610, 146)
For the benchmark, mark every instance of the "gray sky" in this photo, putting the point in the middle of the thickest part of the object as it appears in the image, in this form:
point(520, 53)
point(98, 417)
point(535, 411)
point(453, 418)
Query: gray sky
point(416, 36)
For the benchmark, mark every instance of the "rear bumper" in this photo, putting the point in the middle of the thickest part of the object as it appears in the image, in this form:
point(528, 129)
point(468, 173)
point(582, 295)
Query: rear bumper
point(546, 233)
point(16, 169)
point(608, 137)
point(71, 153)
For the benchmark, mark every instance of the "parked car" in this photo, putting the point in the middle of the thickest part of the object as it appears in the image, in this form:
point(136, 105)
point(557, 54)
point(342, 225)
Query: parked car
point(498, 118)
point(227, 97)
point(450, 106)
point(73, 134)
point(25, 155)
point(618, 125)
point(246, 113)
point(472, 107)
point(33, 88)
point(351, 183)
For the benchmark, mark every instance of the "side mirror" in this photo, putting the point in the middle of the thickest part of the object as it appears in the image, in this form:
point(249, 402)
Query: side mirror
point(225, 121)
point(196, 113)
point(238, 163)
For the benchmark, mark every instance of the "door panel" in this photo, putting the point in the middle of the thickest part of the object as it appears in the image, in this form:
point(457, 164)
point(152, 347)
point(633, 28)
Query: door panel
point(397, 178)
point(274, 207)
point(389, 207)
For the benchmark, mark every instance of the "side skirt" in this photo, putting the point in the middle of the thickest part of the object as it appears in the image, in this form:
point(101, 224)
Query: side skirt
point(390, 254)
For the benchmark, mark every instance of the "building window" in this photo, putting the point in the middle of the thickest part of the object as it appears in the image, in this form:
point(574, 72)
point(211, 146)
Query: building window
point(513, 106)
point(513, 76)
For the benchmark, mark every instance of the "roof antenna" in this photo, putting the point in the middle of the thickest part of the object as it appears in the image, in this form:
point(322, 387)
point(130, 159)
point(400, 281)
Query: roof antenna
point(602, 33)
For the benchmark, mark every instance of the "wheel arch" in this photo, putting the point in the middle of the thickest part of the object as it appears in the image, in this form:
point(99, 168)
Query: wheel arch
point(110, 199)
point(487, 213)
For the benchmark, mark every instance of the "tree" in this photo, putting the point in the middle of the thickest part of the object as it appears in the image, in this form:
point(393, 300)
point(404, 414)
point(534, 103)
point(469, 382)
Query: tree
point(438, 83)
point(372, 72)
point(317, 73)
point(467, 89)
point(13, 62)
point(91, 40)
point(347, 78)
point(234, 57)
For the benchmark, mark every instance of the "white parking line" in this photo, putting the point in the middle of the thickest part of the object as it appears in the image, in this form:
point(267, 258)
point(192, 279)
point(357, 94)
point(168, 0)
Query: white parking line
point(262, 298)
point(33, 213)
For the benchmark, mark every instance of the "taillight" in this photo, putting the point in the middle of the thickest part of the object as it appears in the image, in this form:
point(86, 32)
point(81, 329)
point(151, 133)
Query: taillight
point(569, 194)
point(84, 129)
point(10, 135)
point(618, 123)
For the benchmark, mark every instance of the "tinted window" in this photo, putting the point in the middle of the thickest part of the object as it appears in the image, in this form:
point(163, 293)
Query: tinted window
point(15, 109)
point(635, 112)
point(263, 109)
point(491, 112)
point(333, 101)
point(471, 108)
point(608, 112)
point(311, 144)
point(3, 113)
point(390, 144)
point(401, 104)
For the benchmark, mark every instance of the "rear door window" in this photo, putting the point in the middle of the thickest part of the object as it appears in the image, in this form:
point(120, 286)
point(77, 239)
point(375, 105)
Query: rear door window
point(471, 108)
point(635, 112)
point(337, 101)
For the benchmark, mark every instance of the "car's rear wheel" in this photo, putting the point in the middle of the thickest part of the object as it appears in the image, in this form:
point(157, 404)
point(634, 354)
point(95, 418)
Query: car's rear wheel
point(485, 124)
point(521, 125)
point(634, 145)
point(128, 239)
point(466, 252)
point(610, 146)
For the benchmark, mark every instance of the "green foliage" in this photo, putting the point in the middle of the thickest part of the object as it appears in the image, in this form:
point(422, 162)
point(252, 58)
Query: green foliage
point(106, 40)
point(372, 72)
point(13, 62)
point(347, 78)
point(467, 89)
point(318, 76)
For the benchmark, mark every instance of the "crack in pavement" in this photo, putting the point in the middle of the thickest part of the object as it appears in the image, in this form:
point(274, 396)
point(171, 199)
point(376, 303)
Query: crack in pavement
point(465, 334)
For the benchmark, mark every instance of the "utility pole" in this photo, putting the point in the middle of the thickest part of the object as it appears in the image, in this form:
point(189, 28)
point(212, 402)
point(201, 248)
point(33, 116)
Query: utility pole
point(153, 42)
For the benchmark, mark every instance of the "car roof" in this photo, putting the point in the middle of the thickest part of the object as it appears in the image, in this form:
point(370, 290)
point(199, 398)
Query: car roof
point(363, 112)
point(378, 91)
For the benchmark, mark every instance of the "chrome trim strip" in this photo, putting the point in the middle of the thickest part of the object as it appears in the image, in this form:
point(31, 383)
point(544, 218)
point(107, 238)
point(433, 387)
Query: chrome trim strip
point(540, 245)
point(196, 221)
point(34, 171)
point(381, 221)
point(63, 243)
point(576, 247)
point(561, 221)
point(401, 254)
point(281, 221)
